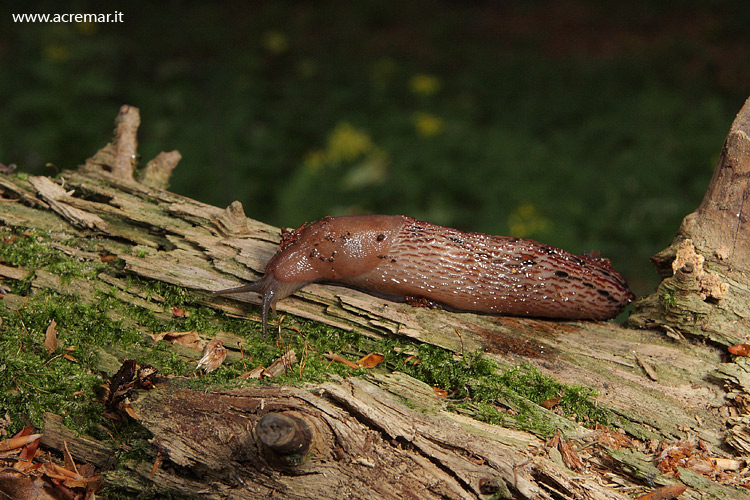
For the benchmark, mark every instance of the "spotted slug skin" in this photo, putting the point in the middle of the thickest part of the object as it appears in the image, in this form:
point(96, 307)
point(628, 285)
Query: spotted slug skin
point(400, 257)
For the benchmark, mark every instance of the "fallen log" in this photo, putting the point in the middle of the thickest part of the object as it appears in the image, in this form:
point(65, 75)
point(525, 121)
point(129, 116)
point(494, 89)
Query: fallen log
point(390, 435)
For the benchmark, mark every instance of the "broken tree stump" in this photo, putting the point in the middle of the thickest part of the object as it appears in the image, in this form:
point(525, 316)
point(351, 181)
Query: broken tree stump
point(706, 289)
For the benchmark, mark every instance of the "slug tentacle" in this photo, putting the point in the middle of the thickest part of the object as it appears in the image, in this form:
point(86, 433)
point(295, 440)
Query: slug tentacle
point(270, 289)
point(255, 286)
point(399, 257)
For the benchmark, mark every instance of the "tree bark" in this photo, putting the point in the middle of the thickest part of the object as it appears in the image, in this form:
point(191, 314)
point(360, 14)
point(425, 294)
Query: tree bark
point(390, 436)
point(706, 288)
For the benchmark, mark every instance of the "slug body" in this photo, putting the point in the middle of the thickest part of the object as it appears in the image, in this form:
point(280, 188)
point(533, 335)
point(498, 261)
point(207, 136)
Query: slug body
point(400, 257)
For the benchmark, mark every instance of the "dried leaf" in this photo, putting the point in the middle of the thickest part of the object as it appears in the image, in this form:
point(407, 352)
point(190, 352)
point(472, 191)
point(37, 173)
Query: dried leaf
point(188, 339)
point(689, 453)
point(370, 360)
point(70, 358)
point(51, 468)
point(50, 337)
point(214, 355)
point(179, 313)
point(550, 403)
point(26, 431)
point(611, 439)
point(29, 451)
point(256, 372)
point(740, 349)
point(19, 486)
point(569, 455)
point(338, 359)
point(157, 464)
point(18, 441)
point(664, 493)
point(131, 413)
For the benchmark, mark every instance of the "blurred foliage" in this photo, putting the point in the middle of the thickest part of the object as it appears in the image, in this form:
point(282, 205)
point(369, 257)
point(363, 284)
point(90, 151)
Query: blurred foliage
point(587, 125)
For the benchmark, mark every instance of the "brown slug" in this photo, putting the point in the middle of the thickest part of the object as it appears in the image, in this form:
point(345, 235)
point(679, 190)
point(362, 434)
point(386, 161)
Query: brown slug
point(400, 258)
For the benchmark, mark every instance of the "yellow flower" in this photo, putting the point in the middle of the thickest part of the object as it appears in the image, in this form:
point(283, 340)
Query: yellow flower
point(352, 151)
point(275, 42)
point(314, 160)
point(427, 125)
point(526, 220)
point(424, 85)
point(347, 143)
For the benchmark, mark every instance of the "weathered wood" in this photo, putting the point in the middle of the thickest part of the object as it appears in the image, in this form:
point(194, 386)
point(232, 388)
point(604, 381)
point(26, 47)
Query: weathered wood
point(157, 172)
point(705, 290)
point(366, 442)
point(85, 448)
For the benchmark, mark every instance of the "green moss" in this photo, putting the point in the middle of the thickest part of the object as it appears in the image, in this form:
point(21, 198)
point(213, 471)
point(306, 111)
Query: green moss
point(668, 298)
point(31, 250)
point(33, 381)
point(482, 390)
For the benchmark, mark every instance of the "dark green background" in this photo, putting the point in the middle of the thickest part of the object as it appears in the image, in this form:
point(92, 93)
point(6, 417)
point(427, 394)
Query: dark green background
point(584, 124)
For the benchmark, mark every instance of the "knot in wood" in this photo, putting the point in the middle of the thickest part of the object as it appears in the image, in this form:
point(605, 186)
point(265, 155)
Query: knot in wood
point(488, 486)
point(284, 433)
point(686, 274)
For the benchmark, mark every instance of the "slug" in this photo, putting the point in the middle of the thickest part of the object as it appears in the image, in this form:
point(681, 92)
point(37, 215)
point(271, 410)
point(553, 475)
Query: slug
point(401, 258)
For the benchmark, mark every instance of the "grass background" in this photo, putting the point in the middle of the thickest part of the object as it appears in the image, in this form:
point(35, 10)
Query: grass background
point(584, 124)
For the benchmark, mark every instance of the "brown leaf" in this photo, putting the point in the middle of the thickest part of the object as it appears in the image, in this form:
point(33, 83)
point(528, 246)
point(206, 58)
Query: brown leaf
point(671, 455)
point(611, 439)
point(214, 355)
point(740, 350)
point(157, 464)
point(18, 486)
point(370, 360)
point(413, 360)
point(338, 359)
point(50, 337)
point(256, 372)
point(179, 313)
point(18, 442)
point(188, 339)
point(70, 358)
point(550, 403)
point(29, 451)
point(26, 431)
point(131, 413)
point(569, 455)
point(664, 493)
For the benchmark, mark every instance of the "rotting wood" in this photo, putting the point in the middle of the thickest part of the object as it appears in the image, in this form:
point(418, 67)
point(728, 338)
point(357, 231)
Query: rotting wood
point(163, 236)
point(718, 234)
